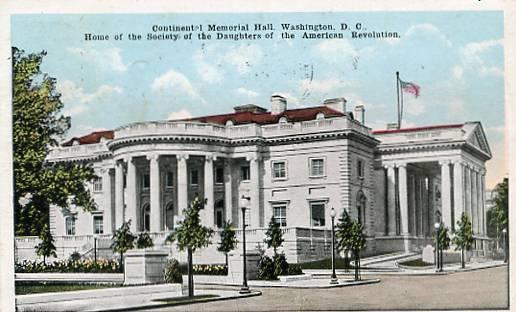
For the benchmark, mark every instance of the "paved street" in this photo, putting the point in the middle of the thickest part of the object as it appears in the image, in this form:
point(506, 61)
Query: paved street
point(487, 289)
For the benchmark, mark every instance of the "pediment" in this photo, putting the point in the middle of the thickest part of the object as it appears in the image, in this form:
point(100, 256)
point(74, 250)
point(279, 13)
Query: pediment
point(477, 138)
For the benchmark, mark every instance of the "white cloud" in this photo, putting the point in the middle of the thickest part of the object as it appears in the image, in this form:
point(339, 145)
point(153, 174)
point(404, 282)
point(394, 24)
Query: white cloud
point(244, 56)
point(457, 72)
point(427, 29)
point(322, 86)
point(415, 107)
point(176, 81)
point(291, 99)
point(72, 94)
point(182, 114)
point(107, 58)
point(473, 60)
point(456, 105)
point(334, 48)
point(208, 72)
point(246, 92)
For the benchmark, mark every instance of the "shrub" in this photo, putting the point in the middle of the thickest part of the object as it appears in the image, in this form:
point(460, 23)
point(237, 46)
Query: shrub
point(280, 265)
point(74, 256)
point(144, 240)
point(172, 272)
point(266, 268)
point(69, 266)
point(294, 269)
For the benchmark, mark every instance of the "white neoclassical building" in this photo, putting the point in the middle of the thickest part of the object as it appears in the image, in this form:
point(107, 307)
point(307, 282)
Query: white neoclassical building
point(293, 164)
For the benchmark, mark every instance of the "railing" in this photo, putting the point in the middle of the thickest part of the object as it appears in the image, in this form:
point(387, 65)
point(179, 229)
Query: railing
point(87, 150)
point(438, 134)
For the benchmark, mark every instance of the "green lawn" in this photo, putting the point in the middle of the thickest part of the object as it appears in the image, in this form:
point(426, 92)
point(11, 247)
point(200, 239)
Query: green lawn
point(416, 263)
point(37, 288)
point(325, 264)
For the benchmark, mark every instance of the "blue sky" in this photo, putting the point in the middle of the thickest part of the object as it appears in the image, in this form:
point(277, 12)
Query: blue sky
point(456, 58)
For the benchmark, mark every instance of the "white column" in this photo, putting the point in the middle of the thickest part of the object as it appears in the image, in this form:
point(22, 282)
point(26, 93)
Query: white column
point(228, 190)
point(483, 201)
point(182, 185)
point(458, 190)
point(445, 193)
point(476, 195)
point(155, 194)
point(119, 194)
point(209, 210)
point(474, 216)
point(402, 177)
point(413, 203)
point(254, 163)
point(417, 207)
point(131, 195)
point(391, 201)
point(106, 189)
point(467, 193)
point(424, 205)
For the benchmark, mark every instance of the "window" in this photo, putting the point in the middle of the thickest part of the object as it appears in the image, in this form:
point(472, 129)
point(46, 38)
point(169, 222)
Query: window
point(317, 214)
point(97, 184)
point(279, 170)
point(145, 226)
point(70, 225)
point(360, 168)
point(317, 167)
point(361, 207)
point(146, 181)
point(219, 219)
point(279, 214)
point(247, 217)
point(245, 173)
point(219, 175)
point(194, 177)
point(98, 225)
point(169, 179)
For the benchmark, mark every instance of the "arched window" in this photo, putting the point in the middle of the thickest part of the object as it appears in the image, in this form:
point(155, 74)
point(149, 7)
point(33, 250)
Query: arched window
point(145, 223)
point(361, 207)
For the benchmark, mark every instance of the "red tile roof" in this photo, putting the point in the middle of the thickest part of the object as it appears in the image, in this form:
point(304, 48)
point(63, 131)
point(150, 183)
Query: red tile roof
point(292, 115)
point(91, 138)
point(423, 128)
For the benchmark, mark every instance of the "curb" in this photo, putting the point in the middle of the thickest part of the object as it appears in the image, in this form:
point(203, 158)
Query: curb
point(253, 293)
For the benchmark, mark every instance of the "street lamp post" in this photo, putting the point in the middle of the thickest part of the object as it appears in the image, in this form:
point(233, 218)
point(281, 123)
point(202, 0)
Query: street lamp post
point(245, 288)
point(334, 279)
point(505, 246)
point(438, 268)
point(95, 248)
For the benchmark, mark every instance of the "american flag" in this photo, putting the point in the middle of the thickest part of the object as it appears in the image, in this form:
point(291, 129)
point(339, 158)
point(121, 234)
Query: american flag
point(410, 87)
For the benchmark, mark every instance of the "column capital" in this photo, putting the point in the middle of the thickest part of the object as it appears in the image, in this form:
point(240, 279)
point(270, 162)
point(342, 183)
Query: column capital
point(444, 162)
point(253, 157)
point(128, 159)
point(389, 166)
point(210, 158)
point(152, 156)
point(459, 162)
point(182, 157)
point(483, 171)
point(401, 165)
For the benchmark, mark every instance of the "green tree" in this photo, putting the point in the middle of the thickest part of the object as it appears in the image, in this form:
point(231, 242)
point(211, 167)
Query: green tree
point(500, 211)
point(123, 240)
point(356, 243)
point(190, 235)
point(46, 247)
point(37, 125)
point(342, 235)
point(273, 236)
point(144, 240)
point(463, 238)
point(228, 240)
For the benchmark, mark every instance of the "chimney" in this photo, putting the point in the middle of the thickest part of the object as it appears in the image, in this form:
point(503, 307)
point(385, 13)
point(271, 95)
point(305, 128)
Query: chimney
point(360, 114)
point(278, 104)
point(392, 126)
point(338, 104)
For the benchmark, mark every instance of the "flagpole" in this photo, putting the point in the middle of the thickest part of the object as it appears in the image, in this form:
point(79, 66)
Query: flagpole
point(398, 96)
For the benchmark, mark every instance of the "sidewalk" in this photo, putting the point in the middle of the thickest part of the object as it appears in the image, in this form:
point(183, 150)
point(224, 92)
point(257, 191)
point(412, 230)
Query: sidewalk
point(116, 299)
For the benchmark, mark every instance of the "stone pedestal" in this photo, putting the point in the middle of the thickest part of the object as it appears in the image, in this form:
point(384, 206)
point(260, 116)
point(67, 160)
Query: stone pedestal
point(143, 266)
point(236, 265)
point(428, 254)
